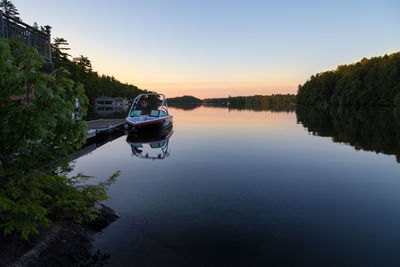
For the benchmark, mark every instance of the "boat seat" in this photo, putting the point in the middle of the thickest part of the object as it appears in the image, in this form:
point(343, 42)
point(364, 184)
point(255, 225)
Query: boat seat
point(135, 113)
point(154, 113)
point(155, 145)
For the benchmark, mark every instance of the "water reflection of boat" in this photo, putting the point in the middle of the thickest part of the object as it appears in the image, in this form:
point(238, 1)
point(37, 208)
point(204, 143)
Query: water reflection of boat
point(140, 113)
point(150, 144)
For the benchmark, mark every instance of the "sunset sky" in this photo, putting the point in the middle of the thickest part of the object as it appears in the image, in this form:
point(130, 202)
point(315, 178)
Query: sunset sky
point(219, 48)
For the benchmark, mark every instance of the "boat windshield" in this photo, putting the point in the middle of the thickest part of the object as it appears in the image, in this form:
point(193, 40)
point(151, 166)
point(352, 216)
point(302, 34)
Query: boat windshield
point(152, 105)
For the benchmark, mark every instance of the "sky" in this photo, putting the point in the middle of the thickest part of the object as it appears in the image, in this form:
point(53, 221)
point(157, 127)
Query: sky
point(222, 47)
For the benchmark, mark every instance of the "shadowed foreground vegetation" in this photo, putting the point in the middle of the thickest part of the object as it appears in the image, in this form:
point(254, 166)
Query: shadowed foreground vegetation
point(369, 82)
point(37, 133)
point(369, 129)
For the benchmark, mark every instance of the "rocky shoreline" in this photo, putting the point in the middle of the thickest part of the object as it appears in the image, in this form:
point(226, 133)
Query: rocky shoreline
point(65, 244)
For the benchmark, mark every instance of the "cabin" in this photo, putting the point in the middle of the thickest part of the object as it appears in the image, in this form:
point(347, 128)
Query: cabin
point(112, 102)
point(104, 101)
point(106, 105)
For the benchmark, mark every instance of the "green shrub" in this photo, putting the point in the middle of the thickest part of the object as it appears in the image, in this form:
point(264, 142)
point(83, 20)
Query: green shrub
point(37, 129)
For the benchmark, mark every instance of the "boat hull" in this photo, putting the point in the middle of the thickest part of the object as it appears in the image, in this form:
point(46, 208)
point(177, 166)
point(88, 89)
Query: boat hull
point(159, 121)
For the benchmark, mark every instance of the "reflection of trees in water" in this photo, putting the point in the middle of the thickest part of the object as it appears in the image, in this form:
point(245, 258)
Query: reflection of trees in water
point(370, 129)
point(184, 106)
point(286, 107)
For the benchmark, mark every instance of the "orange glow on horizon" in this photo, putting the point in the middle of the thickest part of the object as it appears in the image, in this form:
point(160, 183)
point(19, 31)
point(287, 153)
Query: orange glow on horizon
point(215, 90)
point(173, 86)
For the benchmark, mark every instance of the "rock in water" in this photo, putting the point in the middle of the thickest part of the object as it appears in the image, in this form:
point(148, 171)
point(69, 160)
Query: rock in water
point(105, 217)
point(66, 244)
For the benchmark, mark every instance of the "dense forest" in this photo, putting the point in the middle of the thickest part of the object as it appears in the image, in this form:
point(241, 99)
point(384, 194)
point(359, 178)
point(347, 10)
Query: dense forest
point(369, 82)
point(369, 129)
point(185, 102)
point(187, 99)
point(257, 102)
point(81, 71)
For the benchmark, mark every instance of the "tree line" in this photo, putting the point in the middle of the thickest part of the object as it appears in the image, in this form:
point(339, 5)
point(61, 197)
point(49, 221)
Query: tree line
point(369, 82)
point(186, 99)
point(81, 71)
point(80, 68)
point(257, 102)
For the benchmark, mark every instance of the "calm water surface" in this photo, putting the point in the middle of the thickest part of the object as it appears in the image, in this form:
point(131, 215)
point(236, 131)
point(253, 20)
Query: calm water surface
point(250, 188)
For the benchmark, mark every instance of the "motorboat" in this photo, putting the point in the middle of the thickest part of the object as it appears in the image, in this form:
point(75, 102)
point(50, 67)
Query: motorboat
point(149, 109)
point(150, 144)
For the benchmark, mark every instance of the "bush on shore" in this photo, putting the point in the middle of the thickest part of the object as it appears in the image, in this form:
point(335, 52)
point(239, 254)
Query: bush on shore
point(38, 130)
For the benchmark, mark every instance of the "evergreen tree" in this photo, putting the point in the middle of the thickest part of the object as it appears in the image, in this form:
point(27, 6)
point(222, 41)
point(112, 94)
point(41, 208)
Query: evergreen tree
point(9, 9)
point(59, 48)
point(83, 63)
point(81, 71)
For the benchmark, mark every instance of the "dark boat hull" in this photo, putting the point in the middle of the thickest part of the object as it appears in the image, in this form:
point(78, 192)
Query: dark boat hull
point(163, 121)
point(152, 128)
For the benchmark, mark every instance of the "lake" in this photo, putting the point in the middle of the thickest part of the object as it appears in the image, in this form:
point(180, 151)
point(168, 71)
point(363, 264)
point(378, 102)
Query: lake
point(252, 188)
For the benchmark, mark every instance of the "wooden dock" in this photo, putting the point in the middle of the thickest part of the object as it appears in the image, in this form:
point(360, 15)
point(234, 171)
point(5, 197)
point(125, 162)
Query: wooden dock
point(104, 126)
